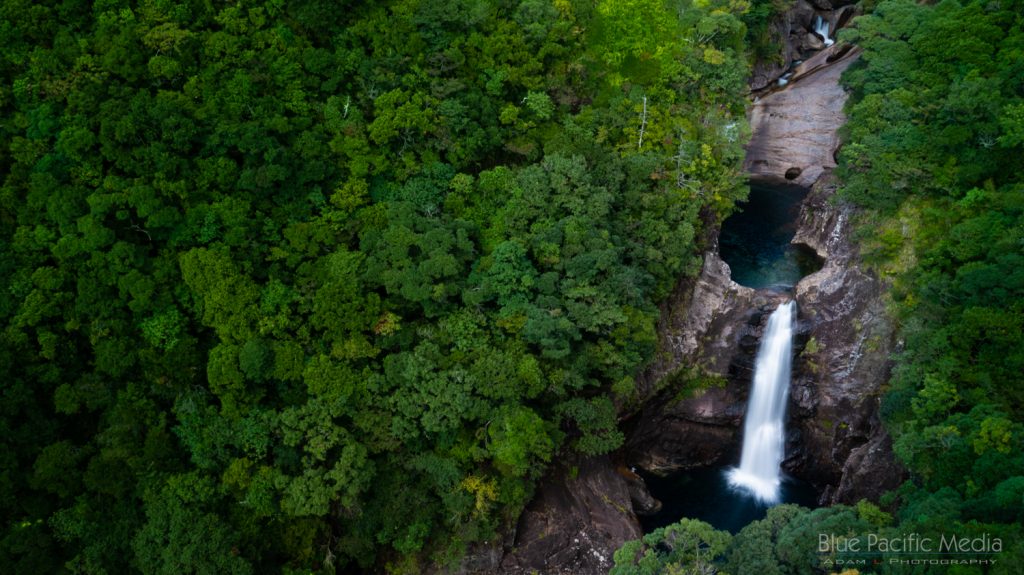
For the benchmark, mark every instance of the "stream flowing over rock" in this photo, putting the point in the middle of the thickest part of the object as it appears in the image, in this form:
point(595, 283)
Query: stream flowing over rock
point(794, 34)
point(794, 130)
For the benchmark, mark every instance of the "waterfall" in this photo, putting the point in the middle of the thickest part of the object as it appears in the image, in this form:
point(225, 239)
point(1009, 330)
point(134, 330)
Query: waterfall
point(763, 431)
point(821, 29)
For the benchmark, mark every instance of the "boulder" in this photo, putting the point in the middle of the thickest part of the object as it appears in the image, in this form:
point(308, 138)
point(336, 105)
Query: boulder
point(812, 42)
point(842, 16)
point(643, 502)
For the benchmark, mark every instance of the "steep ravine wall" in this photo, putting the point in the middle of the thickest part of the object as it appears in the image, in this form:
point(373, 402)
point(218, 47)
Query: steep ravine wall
point(834, 440)
point(587, 507)
point(838, 443)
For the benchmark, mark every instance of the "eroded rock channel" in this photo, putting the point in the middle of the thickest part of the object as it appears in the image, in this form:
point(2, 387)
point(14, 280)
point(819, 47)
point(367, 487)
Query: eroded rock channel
point(757, 241)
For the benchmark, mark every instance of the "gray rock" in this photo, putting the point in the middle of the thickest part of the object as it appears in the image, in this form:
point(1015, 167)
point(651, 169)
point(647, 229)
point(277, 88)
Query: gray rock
point(717, 338)
point(580, 516)
point(712, 301)
point(796, 127)
point(869, 472)
point(838, 378)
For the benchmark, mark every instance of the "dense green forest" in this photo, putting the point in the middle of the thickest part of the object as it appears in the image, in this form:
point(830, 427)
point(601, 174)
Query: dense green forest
point(294, 287)
point(934, 155)
point(297, 287)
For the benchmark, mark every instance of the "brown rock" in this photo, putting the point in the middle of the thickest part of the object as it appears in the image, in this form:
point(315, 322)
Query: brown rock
point(842, 16)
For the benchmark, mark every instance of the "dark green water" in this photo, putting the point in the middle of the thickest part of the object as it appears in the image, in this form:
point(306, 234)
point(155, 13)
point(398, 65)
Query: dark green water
point(705, 494)
point(755, 240)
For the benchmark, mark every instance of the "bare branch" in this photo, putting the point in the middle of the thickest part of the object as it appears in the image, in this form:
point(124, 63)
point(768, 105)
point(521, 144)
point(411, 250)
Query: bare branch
point(643, 125)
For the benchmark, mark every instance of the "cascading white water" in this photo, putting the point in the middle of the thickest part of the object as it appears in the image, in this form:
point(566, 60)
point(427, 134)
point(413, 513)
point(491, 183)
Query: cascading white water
point(764, 428)
point(821, 29)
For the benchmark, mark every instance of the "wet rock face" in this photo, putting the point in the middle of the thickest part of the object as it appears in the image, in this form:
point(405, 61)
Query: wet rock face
point(725, 325)
point(794, 130)
point(869, 472)
point(581, 515)
point(838, 375)
point(709, 307)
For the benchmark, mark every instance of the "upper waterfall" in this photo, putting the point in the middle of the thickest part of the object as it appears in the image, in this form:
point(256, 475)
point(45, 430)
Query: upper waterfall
point(821, 29)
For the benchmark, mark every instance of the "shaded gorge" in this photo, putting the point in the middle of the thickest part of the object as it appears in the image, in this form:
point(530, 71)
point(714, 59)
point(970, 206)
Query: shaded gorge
point(729, 498)
point(756, 243)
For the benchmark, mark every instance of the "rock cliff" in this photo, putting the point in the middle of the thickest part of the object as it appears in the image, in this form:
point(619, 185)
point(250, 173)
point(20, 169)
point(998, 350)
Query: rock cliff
point(834, 440)
point(837, 380)
point(713, 338)
point(581, 514)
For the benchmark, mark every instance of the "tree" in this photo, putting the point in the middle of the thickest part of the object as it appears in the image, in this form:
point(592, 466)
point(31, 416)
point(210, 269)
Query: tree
point(689, 546)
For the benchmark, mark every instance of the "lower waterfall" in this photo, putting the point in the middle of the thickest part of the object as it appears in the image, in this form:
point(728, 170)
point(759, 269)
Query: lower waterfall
point(764, 428)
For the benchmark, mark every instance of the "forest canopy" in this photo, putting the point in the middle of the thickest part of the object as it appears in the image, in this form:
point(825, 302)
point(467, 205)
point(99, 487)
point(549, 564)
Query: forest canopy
point(935, 157)
point(293, 286)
